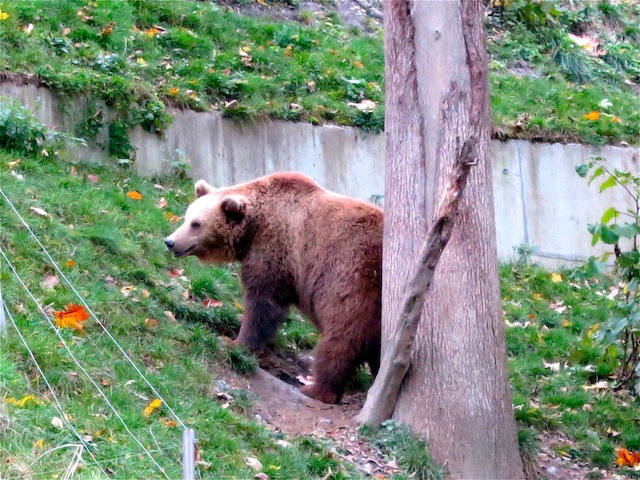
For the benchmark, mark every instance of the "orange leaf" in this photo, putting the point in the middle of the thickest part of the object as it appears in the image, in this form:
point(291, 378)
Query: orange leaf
point(627, 458)
point(174, 90)
point(169, 423)
point(151, 322)
point(593, 115)
point(358, 64)
point(615, 120)
point(173, 218)
point(72, 317)
point(134, 195)
point(70, 263)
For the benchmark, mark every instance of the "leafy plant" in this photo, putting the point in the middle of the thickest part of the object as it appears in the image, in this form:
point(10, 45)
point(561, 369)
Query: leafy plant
point(620, 230)
point(21, 132)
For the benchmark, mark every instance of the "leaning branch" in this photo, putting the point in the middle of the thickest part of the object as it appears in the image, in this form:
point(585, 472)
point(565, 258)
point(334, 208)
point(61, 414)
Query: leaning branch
point(383, 394)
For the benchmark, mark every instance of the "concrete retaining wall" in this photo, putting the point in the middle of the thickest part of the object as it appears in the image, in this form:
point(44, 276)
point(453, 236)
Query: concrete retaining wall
point(540, 200)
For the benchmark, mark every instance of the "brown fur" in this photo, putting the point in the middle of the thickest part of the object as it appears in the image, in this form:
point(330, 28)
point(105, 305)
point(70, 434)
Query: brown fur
point(298, 245)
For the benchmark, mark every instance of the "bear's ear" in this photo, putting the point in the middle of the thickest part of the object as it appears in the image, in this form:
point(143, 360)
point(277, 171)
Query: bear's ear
point(234, 208)
point(202, 188)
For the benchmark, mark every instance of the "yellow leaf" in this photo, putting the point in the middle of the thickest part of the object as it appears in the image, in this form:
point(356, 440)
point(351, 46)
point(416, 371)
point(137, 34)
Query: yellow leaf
point(152, 32)
point(134, 195)
point(155, 404)
point(174, 90)
point(22, 402)
point(537, 296)
point(72, 317)
point(140, 61)
point(3, 15)
point(593, 115)
point(39, 444)
point(566, 323)
point(556, 277)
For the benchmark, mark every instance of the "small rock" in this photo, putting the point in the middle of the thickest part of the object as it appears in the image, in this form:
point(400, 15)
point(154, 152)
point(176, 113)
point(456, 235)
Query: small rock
point(552, 471)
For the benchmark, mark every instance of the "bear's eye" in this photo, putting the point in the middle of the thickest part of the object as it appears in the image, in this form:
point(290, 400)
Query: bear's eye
point(195, 225)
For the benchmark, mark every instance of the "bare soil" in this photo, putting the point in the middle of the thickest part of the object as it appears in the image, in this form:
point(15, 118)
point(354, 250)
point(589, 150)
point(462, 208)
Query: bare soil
point(282, 408)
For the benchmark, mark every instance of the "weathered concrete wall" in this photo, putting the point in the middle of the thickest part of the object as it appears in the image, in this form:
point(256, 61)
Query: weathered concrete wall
point(540, 200)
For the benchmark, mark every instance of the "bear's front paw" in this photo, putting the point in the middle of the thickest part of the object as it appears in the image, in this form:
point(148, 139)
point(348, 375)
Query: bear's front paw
point(318, 392)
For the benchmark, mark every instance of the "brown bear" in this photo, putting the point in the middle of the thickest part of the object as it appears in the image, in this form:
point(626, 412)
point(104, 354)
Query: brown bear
point(301, 245)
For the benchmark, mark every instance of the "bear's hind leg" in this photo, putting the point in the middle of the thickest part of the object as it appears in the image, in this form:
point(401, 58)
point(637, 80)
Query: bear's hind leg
point(335, 362)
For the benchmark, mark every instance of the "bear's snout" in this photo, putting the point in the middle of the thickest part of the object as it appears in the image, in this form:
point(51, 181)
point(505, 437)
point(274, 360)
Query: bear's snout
point(169, 243)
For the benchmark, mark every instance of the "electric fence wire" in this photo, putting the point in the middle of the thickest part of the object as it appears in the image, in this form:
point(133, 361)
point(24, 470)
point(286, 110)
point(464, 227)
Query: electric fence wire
point(75, 360)
point(58, 405)
point(93, 315)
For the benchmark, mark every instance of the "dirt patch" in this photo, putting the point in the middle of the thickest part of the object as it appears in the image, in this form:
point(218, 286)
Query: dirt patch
point(282, 408)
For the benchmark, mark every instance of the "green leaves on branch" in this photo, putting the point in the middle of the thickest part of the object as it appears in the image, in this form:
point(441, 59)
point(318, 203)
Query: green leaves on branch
point(620, 229)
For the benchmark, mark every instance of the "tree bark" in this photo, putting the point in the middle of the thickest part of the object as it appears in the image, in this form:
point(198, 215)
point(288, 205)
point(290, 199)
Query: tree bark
point(456, 394)
point(383, 394)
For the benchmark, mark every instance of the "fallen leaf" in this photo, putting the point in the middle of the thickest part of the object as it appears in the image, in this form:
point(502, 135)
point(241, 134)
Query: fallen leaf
point(151, 322)
point(592, 116)
point(22, 402)
point(70, 263)
point(537, 296)
point(174, 91)
point(209, 303)
point(262, 476)
point(39, 444)
point(134, 195)
point(253, 463)
point(627, 458)
point(39, 211)
point(554, 367)
point(155, 404)
point(169, 423)
point(56, 422)
point(50, 281)
point(161, 203)
point(358, 64)
point(172, 217)
point(556, 277)
point(175, 272)
point(72, 317)
point(170, 315)
point(364, 105)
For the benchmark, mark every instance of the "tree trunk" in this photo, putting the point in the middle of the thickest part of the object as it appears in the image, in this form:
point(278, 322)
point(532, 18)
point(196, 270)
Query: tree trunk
point(457, 393)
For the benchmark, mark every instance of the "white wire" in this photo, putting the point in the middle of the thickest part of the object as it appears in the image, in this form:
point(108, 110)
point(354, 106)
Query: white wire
point(64, 343)
point(53, 393)
point(63, 276)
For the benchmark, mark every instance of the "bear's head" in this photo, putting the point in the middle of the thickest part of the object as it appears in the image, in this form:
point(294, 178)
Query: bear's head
point(212, 225)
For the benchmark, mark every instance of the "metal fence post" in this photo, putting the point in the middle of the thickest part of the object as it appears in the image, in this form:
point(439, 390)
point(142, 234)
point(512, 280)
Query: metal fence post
point(188, 454)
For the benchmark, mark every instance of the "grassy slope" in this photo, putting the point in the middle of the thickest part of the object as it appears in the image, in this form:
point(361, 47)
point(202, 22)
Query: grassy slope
point(125, 275)
point(198, 55)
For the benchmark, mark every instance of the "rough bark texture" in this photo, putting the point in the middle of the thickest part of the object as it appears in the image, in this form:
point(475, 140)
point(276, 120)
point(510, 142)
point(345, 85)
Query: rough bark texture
point(383, 394)
point(456, 394)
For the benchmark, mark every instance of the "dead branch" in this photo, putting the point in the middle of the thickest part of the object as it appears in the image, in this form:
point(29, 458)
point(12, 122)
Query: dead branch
point(382, 396)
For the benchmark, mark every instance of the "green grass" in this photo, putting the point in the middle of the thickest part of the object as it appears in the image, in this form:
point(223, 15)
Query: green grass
point(556, 367)
point(124, 273)
point(137, 56)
